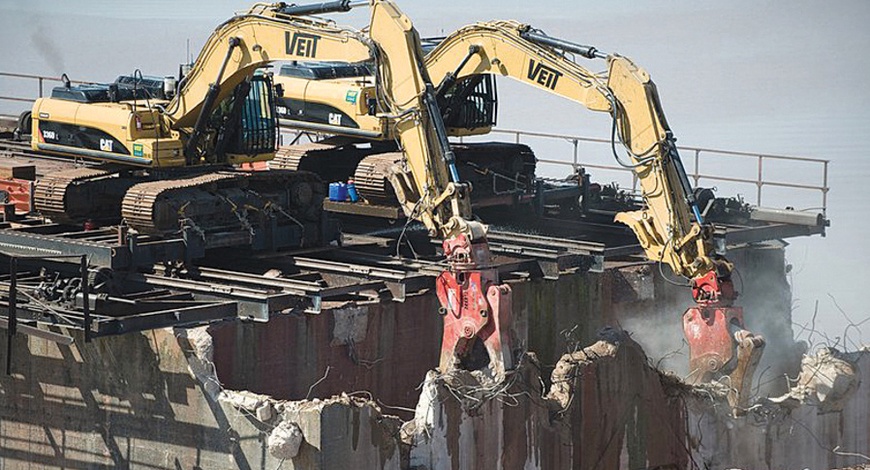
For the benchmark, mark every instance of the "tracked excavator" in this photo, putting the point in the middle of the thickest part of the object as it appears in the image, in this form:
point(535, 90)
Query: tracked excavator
point(167, 165)
point(670, 228)
point(174, 157)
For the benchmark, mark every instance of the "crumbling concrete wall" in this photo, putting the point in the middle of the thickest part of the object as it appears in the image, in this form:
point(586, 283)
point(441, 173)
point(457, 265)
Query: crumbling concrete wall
point(165, 400)
point(606, 409)
point(383, 348)
point(814, 426)
point(152, 400)
point(386, 348)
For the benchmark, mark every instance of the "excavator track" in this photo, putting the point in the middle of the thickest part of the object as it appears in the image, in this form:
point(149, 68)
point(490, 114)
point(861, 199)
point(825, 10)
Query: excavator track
point(492, 168)
point(290, 157)
point(141, 208)
point(72, 196)
point(371, 180)
point(226, 201)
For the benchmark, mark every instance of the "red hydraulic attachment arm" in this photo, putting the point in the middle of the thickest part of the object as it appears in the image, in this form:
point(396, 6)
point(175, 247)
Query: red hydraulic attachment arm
point(714, 329)
point(476, 310)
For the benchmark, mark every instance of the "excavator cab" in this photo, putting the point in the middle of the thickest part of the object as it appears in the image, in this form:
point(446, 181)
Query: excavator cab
point(258, 129)
point(246, 121)
point(469, 105)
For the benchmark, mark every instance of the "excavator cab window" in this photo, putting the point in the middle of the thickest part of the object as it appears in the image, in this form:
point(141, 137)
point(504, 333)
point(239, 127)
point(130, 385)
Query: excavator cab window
point(470, 103)
point(259, 126)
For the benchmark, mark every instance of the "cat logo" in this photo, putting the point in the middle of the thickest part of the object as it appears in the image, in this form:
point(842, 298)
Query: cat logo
point(106, 145)
point(543, 75)
point(301, 44)
point(335, 119)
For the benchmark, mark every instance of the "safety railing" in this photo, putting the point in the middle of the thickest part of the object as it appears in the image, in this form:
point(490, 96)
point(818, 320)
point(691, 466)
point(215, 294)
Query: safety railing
point(39, 80)
point(694, 159)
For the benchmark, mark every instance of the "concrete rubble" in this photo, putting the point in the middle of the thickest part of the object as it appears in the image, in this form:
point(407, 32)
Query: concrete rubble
point(606, 407)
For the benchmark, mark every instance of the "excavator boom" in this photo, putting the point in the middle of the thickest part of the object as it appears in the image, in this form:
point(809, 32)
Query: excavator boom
point(425, 177)
point(670, 228)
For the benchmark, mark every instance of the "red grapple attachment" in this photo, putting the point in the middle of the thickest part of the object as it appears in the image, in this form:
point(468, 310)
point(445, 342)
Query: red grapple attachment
point(714, 330)
point(474, 308)
point(711, 345)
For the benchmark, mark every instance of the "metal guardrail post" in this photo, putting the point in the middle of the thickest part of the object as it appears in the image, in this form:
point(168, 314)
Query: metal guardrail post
point(86, 303)
point(576, 155)
point(760, 181)
point(825, 190)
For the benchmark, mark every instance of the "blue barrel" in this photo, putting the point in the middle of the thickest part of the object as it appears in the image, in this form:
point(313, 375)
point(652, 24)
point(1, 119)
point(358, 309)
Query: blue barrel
point(333, 191)
point(352, 193)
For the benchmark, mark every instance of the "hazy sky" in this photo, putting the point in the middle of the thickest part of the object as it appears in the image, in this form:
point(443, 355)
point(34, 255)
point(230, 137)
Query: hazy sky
point(776, 77)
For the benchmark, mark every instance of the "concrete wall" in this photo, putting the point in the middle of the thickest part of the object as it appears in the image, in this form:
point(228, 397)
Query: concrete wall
point(797, 435)
point(386, 348)
point(113, 403)
point(151, 400)
point(163, 400)
point(607, 409)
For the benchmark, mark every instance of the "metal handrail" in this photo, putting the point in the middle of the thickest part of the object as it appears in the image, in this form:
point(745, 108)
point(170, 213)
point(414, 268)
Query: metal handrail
point(758, 180)
point(41, 79)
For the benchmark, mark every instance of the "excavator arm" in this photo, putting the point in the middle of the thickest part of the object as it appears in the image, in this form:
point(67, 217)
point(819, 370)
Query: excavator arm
point(670, 227)
point(245, 42)
point(474, 305)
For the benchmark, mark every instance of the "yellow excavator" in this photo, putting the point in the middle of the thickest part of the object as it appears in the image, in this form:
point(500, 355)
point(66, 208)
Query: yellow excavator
point(172, 160)
point(670, 228)
point(333, 98)
point(167, 162)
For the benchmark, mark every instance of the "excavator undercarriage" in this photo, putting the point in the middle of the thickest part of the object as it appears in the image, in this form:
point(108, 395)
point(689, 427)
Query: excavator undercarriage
point(492, 168)
point(224, 207)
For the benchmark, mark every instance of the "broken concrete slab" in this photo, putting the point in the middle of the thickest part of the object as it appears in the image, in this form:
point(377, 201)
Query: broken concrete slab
point(827, 380)
point(796, 433)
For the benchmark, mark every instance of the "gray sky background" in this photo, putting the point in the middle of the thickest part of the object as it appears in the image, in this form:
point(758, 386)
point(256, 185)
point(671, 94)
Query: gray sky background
point(760, 76)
